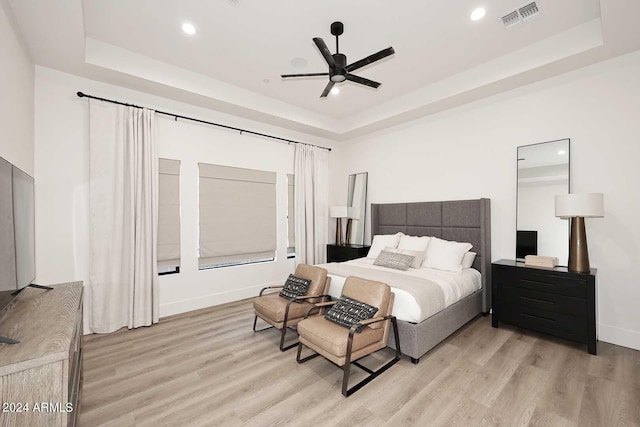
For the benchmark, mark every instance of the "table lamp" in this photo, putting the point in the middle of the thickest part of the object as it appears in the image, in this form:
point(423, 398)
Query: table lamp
point(578, 207)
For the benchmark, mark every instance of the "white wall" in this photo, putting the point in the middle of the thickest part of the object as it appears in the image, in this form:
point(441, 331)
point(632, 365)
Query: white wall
point(16, 95)
point(62, 171)
point(470, 152)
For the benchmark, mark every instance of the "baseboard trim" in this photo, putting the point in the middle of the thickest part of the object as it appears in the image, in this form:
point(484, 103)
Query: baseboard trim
point(619, 336)
point(205, 301)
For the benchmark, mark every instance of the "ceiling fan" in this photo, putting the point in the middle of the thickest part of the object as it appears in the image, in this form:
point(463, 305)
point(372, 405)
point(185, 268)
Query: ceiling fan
point(339, 71)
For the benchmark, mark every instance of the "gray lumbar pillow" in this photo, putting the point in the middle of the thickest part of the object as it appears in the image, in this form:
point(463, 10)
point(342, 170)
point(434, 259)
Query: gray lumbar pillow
point(394, 260)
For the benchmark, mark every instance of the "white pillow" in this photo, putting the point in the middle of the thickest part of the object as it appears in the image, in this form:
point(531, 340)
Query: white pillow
point(467, 259)
point(381, 241)
point(445, 255)
point(413, 243)
point(418, 256)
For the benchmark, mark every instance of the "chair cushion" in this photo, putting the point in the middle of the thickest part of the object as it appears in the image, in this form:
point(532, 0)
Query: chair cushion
point(317, 275)
point(273, 307)
point(346, 312)
point(295, 287)
point(333, 337)
point(370, 292)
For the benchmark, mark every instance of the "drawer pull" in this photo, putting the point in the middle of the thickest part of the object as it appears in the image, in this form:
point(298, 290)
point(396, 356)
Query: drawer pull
point(539, 317)
point(538, 300)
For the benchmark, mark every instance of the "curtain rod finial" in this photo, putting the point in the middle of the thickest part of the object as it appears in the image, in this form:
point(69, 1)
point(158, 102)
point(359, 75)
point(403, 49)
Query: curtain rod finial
point(80, 94)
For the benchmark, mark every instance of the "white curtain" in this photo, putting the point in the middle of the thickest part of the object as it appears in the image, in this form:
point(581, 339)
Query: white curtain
point(311, 167)
point(123, 283)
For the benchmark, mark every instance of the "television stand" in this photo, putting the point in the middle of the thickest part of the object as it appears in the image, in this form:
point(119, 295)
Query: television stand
point(47, 365)
point(6, 340)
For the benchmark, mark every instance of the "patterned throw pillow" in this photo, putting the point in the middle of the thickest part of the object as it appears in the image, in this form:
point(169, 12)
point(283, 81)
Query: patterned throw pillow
point(295, 287)
point(396, 261)
point(347, 312)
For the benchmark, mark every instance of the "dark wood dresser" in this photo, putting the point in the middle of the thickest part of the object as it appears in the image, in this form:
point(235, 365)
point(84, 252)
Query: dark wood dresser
point(553, 301)
point(339, 253)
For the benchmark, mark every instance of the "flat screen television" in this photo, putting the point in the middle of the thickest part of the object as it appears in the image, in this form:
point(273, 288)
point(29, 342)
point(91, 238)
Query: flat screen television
point(17, 232)
point(526, 243)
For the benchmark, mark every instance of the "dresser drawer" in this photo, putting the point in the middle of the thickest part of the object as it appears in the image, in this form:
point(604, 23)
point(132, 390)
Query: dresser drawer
point(559, 324)
point(551, 284)
point(527, 298)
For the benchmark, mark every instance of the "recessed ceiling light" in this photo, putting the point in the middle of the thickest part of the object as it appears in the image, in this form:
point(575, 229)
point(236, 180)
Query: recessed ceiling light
point(335, 90)
point(478, 14)
point(189, 28)
point(561, 152)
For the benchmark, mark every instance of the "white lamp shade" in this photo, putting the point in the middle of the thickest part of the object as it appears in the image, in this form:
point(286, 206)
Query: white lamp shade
point(354, 213)
point(338, 212)
point(584, 205)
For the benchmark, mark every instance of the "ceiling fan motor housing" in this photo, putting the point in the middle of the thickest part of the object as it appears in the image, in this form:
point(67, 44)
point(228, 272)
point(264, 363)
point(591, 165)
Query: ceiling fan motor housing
point(339, 74)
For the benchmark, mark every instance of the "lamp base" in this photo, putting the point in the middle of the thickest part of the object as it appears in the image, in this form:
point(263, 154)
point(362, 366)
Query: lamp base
point(347, 239)
point(578, 251)
point(339, 241)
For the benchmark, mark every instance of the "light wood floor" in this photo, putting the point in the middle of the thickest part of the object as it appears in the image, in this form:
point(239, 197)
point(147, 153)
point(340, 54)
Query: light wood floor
point(209, 368)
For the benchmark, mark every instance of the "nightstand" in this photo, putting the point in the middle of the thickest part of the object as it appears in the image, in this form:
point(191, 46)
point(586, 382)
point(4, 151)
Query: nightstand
point(553, 301)
point(339, 253)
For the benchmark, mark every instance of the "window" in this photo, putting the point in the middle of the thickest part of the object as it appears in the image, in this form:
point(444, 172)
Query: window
point(168, 216)
point(291, 236)
point(237, 209)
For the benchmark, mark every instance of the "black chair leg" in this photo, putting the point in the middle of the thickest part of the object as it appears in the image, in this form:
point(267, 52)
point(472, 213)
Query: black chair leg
point(299, 360)
point(255, 320)
point(282, 336)
point(346, 392)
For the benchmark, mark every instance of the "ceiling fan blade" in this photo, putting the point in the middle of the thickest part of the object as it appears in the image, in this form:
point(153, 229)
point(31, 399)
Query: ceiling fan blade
point(326, 90)
point(284, 76)
point(363, 81)
point(371, 58)
point(325, 51)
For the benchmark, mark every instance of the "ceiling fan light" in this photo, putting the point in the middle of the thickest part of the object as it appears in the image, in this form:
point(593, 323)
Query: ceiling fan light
point(338, 78)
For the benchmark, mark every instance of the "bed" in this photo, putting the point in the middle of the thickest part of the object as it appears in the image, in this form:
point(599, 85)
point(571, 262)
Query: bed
point(462, 221)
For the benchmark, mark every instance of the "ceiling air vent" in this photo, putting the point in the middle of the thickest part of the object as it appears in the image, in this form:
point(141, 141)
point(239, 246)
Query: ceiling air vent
point(520, 15)
point(529, 11)
point(511, 19)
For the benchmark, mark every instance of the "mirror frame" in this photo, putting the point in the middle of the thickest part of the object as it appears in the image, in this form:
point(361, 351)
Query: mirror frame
point(561, 262)
point(360, 225)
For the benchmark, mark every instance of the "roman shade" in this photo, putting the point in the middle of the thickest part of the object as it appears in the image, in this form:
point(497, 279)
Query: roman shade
point(291, 236)
point(237, 215)
point(168, 214)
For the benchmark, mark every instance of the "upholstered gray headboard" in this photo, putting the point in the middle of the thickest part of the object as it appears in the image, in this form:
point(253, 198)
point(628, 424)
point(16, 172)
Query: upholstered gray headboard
point(460, 220)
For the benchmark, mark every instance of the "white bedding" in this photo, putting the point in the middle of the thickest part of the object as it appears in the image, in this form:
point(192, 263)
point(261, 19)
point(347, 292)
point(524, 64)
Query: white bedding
point(455, 286)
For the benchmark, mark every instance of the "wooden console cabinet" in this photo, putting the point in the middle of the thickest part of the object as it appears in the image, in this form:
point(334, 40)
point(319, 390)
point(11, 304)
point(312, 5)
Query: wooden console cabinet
point(553, 301)
point(41, 377)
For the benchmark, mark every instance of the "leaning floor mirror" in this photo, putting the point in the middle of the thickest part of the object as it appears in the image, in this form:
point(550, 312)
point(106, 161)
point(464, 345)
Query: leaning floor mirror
point(357, 207)
point(543, 172)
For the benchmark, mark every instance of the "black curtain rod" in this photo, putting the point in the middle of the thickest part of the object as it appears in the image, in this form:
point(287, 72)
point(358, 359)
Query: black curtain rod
point(178, 116)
